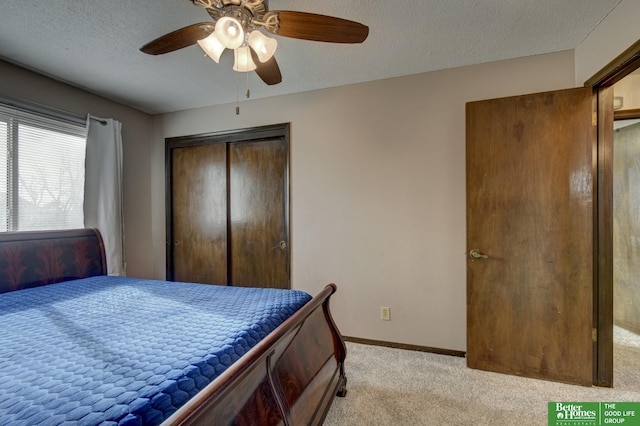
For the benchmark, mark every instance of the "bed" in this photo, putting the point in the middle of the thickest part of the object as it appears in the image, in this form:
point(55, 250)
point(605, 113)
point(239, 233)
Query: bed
point(82, 347)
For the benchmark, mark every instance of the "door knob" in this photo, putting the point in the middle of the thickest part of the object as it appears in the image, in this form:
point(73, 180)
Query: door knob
point(283, 244)
point(475, 254)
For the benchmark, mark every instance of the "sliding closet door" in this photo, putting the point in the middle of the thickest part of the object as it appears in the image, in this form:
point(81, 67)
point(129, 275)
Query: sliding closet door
point(258, 214)
point(228, 208)
point(199, 213)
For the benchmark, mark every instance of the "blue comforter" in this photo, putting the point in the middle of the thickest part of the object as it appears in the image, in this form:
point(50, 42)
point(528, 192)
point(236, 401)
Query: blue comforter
point(123, 351)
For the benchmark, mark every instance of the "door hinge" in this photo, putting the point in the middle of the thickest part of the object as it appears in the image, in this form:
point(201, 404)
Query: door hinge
point(594, 334)
point(594, 119)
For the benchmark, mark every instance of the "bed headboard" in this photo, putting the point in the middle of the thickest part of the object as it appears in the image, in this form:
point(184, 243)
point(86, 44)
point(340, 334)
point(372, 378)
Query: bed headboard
point(35, 258)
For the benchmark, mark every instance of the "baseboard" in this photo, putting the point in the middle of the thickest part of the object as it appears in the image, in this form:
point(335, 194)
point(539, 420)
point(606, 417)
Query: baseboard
point(404, 346)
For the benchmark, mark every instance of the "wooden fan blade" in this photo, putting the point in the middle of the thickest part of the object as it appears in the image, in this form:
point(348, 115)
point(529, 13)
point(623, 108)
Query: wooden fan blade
point(178, 39)
point(268, 71)
point(310, 26)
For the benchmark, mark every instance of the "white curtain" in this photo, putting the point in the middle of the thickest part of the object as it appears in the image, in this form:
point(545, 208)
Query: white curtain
point(103, 188)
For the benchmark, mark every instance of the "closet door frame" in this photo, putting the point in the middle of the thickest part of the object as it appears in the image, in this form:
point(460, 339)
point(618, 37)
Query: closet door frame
point(252, 134)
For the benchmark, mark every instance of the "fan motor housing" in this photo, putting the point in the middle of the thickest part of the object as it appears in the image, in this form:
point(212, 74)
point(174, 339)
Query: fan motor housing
point(256, 9)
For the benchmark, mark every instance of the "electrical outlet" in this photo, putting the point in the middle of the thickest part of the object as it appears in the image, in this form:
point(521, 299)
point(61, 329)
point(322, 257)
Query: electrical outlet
point(385, 313)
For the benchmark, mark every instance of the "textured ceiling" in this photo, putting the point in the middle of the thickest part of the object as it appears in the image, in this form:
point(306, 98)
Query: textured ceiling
point(94, 44)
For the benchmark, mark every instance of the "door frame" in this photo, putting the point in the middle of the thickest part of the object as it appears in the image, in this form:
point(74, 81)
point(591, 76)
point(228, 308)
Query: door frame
point(251, 134)
point(602, 83)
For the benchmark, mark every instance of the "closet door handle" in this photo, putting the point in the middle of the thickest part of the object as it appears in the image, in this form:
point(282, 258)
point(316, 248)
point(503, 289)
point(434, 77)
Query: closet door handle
point(283, 245)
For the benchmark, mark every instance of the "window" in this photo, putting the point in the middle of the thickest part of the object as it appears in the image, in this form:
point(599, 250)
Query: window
point(41, 172)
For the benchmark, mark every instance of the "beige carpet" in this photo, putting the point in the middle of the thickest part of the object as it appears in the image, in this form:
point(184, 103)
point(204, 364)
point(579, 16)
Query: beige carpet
point(397, 387)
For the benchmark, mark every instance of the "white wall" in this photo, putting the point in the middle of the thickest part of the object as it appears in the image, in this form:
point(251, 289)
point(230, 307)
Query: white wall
point(617, 32)
point(629, 90)
point(378, 190)
point(19, 83)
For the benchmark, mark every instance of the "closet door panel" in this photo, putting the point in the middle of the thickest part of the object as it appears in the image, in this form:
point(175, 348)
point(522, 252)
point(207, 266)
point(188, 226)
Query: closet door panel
point(199, 214)
point(258, 191)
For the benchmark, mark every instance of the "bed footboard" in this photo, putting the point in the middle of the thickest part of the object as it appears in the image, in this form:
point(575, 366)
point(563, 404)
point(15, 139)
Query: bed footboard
point(290, 377)
point(35, 258)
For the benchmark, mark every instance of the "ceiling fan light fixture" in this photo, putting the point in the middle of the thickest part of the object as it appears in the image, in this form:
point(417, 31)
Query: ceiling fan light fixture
point(212, 47)
point(229, 32)
point(243, 61)
point(240, 25)
point(264, 46)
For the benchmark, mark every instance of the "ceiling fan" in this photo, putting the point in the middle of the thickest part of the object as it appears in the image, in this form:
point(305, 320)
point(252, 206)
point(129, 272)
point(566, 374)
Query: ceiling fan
point(236, 26)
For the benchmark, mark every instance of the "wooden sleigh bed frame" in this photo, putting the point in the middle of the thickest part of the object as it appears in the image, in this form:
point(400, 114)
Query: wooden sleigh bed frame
point(290, 377)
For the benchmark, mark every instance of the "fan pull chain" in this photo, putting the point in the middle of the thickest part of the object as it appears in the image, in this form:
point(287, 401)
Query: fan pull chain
point(248, 90)
point(237, 98)
point(247, 94)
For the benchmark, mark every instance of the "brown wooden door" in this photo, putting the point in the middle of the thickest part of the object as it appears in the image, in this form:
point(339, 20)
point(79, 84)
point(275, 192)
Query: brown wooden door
point(199, 211)
point(258, 214)
point(530, 195)
point(228, 208)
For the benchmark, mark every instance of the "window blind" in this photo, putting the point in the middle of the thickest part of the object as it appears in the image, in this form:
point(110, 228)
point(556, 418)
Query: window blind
point(41, 171)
